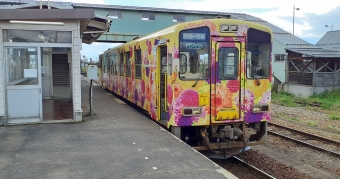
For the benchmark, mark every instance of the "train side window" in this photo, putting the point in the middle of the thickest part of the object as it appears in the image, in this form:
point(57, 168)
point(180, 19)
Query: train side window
point(183, 64)
point(121, 64)
point(138, 64)
point(128, 64)
point(104, 63)
point(170, 64)
point(115, 62)
point(111, 64)
point(108, 62)
point(113, 70)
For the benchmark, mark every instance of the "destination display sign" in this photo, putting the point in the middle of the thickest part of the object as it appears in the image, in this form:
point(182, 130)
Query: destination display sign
point(194, 46)
point(193, 36)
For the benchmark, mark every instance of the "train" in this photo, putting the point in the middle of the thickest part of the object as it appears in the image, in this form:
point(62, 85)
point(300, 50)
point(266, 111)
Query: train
point(207, 81)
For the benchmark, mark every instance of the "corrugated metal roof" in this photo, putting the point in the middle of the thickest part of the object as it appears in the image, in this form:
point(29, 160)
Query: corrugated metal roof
point(290, 39)
point(135, 8)
point(27, 4)
point(330, 38)
point(316, 53)
point(330, 46)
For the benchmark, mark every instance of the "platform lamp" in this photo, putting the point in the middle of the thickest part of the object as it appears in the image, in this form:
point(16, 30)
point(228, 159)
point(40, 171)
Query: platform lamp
point(294, 15)
point(329, 26)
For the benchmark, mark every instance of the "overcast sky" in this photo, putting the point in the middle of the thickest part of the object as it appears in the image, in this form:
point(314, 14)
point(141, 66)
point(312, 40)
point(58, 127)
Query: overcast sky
point(310, 19)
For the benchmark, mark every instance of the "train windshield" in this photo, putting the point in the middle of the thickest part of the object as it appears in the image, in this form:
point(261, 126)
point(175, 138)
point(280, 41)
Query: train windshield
point(258, 54)
point(194, 54)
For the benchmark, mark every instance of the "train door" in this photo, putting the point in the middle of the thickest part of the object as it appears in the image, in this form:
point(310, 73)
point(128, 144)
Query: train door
point(162, 85)
point(225, 90)
point(101, 69)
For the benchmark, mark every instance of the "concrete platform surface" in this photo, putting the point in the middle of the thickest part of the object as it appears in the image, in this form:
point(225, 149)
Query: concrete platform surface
point(116, 142)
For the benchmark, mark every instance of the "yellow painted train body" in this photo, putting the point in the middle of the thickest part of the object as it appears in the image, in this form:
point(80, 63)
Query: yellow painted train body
point(207, 79)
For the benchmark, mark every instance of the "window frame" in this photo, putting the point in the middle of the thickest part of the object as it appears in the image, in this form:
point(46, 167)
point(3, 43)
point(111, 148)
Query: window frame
point(195, 43)
point(115, 63)
point(115, 14)
point(148, 16)
point(280, 57)
point(127, 64)
point(234, 76)
point(121, 64)
point(258, 54)
point(138, 63)
point(207, 17)
point(109, 63)
point(183, 65)
point(177, 18)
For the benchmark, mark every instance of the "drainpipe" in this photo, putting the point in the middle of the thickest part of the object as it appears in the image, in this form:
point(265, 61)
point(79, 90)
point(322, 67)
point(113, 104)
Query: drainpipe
point(286, 72)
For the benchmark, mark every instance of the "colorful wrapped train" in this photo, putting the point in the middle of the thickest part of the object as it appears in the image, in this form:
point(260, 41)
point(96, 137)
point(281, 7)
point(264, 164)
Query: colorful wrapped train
point(207, 81)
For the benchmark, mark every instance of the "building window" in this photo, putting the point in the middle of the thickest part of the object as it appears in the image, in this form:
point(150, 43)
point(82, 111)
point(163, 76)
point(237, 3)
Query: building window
point(115, 14)
point(178, 18)
point(138, 63)
point(121, 64)
point(148, 16)
point(128, 64)
point(37, 36)
point(280, 57)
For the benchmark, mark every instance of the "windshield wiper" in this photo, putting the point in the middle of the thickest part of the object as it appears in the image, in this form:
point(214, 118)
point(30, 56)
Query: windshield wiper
point(199, 77)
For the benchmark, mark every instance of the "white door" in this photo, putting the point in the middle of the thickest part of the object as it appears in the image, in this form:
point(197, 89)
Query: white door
point(23, 84)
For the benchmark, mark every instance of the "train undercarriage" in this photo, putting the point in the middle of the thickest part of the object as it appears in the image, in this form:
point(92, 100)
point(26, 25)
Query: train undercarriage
point(223, 141)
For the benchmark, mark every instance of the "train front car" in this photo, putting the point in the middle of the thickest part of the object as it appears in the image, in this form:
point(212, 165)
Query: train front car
point(218, 86)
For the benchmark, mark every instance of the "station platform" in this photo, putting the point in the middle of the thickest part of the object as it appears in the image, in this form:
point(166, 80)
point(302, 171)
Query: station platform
point(115, 142)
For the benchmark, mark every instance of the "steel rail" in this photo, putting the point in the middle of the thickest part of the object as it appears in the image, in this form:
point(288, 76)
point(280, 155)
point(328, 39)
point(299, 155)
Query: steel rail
point(264, 174)
point(305, 143)
point(305, 134)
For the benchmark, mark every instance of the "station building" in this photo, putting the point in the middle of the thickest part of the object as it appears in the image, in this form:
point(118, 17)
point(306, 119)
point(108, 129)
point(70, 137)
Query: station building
point(40, 45)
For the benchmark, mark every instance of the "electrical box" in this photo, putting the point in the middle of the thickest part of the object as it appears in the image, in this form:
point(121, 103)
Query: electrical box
point(92, 72)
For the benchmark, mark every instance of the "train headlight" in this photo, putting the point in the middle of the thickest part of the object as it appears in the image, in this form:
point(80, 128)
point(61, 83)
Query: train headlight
point(192, 111)
point(260, 108)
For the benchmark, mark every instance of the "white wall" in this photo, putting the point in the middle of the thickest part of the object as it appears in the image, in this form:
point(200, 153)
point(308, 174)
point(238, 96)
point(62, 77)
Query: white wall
point(76, 81)
point(306, 91)
point(278, 67)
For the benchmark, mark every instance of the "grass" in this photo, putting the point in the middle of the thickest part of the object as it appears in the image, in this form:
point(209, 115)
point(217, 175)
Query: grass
point(294, 119)
point(334, 128)
point(335, 117)
point(328, 102)
point(312, 123)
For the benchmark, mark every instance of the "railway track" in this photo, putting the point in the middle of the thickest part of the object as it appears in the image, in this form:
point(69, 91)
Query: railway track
point(306, 139)
point(256, 172)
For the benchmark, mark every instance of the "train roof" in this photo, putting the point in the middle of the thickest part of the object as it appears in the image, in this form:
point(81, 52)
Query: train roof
point(180, 26)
